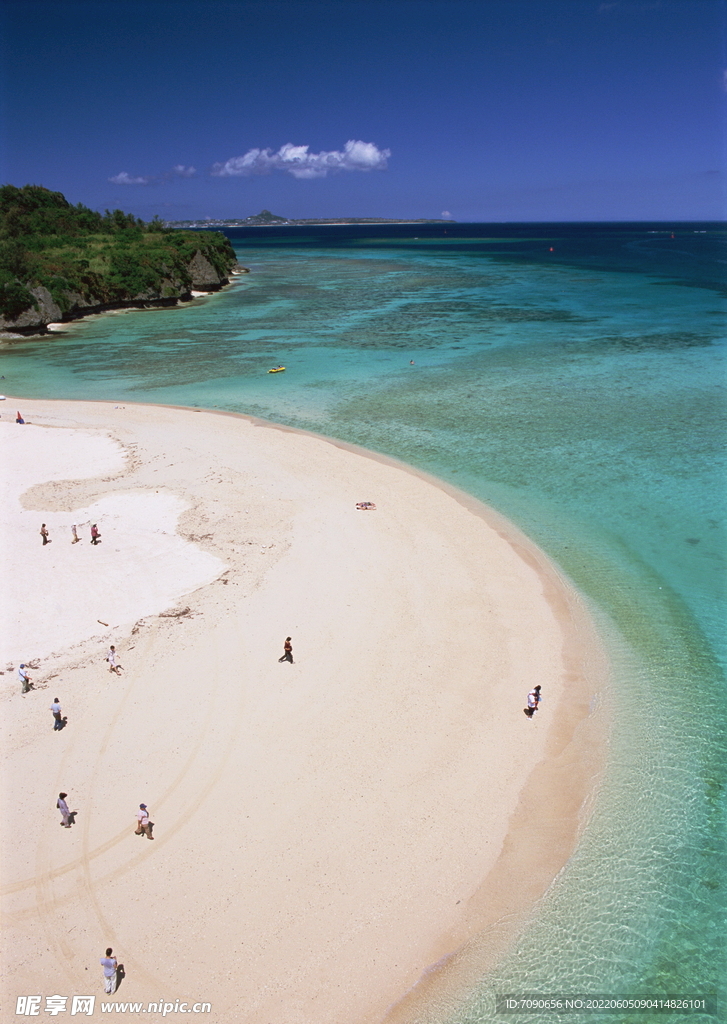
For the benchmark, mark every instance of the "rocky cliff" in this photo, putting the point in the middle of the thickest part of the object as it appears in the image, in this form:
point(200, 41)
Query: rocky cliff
point(60, 262)
point(71, 305)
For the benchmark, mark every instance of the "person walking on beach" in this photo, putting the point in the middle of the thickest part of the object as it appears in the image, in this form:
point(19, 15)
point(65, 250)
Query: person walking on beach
point(19, 418)
point(44, 534)
point(63, 808)
point(74, 531)
point(144, 826)
point(287, 651)
point(95, 535)
point(111, 659)
point(534, 699)
point(109, 964)
point(57, 714)
point(24, 679)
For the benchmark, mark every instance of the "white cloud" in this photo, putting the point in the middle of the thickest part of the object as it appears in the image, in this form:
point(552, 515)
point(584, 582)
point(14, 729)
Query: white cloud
point(125, 179)
point(296, 160)
point(446, 213)
point(178, 171)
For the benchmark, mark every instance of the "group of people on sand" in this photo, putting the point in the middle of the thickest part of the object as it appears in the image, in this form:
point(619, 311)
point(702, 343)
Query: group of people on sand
point(26, 684)
point(144, 825)
point(95, 534)
point(112, 970)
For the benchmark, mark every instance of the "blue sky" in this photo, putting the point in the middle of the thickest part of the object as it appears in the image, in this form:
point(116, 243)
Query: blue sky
point(491, 111)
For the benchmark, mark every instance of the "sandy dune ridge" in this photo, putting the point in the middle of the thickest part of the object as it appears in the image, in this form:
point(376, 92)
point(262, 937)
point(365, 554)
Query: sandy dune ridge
point(325, 831)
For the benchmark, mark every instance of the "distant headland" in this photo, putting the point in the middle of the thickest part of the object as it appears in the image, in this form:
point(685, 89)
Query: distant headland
point(266, 219)
point(59, 262)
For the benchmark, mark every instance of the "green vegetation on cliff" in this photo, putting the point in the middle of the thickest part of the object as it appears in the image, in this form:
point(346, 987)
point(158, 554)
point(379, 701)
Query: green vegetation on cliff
point(84, 259)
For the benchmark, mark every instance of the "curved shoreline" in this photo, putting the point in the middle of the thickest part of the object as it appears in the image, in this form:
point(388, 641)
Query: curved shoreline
point(543, 828)
point(550, 803)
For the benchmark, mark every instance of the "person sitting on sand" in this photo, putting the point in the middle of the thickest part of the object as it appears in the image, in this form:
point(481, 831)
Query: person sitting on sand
point(365, 506)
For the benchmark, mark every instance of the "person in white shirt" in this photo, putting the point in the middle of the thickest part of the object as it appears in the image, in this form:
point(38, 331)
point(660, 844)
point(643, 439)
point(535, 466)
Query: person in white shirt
point(109, 964)
point(63, 808)
point(56, 709)
point(24, 678)
point(534, 699)
point(111, 659)
point(144, 825)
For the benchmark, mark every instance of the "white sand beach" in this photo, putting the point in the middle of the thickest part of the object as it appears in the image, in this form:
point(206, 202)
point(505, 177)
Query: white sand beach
point(325, 831)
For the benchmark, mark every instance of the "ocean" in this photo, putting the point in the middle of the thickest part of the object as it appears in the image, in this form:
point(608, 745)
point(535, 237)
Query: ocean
point(571, 376)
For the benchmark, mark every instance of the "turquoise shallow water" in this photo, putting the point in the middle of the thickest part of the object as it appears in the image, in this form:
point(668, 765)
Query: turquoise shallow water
point(581, 392)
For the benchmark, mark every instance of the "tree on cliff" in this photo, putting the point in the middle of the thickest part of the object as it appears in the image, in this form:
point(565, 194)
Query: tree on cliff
point(83, 258)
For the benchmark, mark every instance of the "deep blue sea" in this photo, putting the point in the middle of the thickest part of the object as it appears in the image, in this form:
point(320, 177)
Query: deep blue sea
point(572, 376)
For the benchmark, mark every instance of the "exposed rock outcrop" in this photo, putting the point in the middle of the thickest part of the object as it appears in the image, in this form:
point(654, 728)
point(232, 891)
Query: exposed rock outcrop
point(201, 276)
point(46, 311)
point(204, 276)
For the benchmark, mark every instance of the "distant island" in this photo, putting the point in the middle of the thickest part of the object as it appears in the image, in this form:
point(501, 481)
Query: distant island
point(59, 262)
point(267, 219)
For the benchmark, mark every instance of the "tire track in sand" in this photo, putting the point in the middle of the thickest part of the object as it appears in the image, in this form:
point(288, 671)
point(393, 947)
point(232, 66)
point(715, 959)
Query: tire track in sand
point(47, 904)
